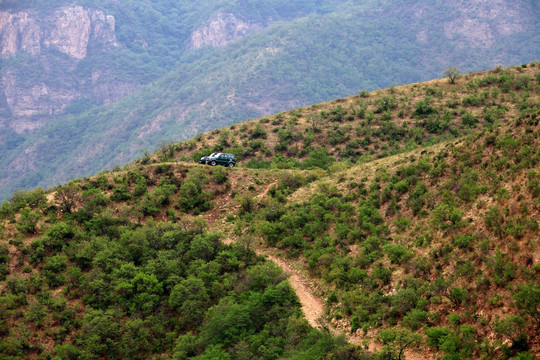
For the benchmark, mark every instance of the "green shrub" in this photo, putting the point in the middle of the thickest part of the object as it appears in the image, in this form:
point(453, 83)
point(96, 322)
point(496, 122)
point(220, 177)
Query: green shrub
point(415, 319)
point(100, 334)
point(193, 197)
point(149, 206)
point(28, 222)
point(53, 268)
point(55, 263)
point(436, 335)
point(468, 119)
point(220, 175)
point(318, 157)
point(363, 93)
point(18, 285)
point(397, 253)
point(454, 319)
point(4, 254)
point(120, 193)
point(382, 273)
point(57, 235)
point(459, 344)
point(435, 125)
point(401, 186)
point(247, 204)
point(37, 313)
point(458, 295)
point(337, 114)
point(31, 198)
point(522, 82)
point(515, 226)
point(423, 108)
point(68, 351)
point(527, 299)
point(7, 209)
point(463, 241)
point(385, 103)
point(475, 99)
point(258, 133)
point(447, 216)
point(396, 341)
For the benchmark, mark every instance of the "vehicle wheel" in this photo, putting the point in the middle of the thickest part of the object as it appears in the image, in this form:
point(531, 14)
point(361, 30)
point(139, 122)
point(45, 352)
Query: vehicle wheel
point(231, 165)
point(213, 163)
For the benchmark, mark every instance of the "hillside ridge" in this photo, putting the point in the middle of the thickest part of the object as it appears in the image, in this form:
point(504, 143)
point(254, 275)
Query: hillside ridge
point(91, 83)
point(408, 218)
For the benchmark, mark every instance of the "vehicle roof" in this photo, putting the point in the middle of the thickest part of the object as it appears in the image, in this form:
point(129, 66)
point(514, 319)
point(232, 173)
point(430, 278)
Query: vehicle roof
point(217, 154)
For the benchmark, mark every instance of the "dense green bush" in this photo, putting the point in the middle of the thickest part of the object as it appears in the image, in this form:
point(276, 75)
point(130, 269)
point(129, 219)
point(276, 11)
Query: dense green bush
point(28, 222)
point(423, 108)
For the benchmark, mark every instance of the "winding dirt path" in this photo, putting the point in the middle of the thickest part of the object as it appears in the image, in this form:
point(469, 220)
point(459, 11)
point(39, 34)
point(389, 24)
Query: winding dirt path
point(312, 306)
point(313, 309)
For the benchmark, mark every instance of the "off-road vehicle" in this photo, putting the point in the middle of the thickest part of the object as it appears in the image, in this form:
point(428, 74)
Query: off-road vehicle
point(219, 159)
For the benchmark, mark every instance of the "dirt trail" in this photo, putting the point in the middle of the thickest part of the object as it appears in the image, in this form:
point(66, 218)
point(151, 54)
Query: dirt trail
point(313, 309)
point(312, 306)
point(266, 190)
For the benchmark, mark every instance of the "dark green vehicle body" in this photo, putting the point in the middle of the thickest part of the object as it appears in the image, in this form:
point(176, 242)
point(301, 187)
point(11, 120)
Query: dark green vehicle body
point(221, 159)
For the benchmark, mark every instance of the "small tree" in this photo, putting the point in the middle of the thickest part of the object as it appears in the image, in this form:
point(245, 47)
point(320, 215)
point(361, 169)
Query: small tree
point(67, 197)
point(511, 326)
point(396, 341)
point(452, 74)
point(528, 300)
point(166, 150)
point(28, 222)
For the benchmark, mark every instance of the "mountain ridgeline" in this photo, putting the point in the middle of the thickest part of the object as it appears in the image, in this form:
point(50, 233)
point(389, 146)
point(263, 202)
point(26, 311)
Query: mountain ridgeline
point(410, 214)
point(86, 85)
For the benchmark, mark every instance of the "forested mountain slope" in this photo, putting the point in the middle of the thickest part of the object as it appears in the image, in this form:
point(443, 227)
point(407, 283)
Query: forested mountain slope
point(88, 84)
point(412, 211)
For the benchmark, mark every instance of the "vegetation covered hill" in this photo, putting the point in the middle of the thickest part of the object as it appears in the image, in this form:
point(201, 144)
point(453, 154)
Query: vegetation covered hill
point(413, 211)
point(163, 80)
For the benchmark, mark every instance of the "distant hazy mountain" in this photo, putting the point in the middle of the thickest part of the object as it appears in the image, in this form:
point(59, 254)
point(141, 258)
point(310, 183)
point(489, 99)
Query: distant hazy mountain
point(88, 84)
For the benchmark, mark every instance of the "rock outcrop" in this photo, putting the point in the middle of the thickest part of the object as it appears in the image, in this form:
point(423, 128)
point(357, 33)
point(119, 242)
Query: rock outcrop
point(70, 29)
point(18, 32)
point(221, 30)
point(32, 94)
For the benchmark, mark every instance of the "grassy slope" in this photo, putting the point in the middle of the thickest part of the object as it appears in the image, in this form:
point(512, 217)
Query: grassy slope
point(456, 223)
point(439, 240)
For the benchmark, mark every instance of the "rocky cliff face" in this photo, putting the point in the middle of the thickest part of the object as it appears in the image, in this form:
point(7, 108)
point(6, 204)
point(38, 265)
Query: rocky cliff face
point(27, 100)
point(221, 30)
point(478, 24)
point(482, 21)
point(74, 28)
point(70, 29)
point(18, 32)
point(31, 95)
